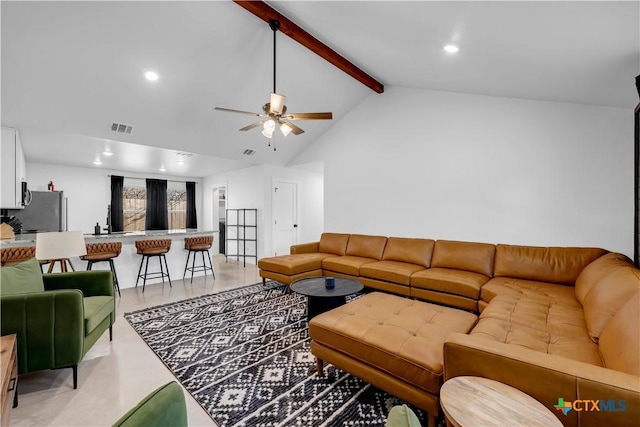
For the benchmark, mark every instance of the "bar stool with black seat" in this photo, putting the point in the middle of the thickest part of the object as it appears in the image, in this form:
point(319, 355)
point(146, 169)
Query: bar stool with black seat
point(104, 252)
point(153, 248)
point(194, 245)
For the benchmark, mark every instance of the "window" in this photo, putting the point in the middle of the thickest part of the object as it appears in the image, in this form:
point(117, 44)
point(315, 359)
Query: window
point(177, 205)
point(135, 204)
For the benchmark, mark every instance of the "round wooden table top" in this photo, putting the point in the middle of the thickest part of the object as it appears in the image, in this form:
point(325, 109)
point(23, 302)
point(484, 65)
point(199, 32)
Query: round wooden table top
point(476, 401)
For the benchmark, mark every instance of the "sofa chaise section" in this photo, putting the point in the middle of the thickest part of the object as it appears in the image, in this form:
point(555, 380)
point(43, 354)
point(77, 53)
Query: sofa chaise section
point(305, 259)
point(539, 272)
point(553, 347)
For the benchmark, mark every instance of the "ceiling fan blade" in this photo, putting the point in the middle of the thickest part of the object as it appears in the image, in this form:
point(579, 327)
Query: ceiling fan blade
point(294, 129)
point(310, 116)
point(229, 110)
point(254, 125)
point(277, 103)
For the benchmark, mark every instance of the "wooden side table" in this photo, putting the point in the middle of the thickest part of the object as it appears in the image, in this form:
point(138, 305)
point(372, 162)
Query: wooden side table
point(9, 366)
point(476, 401)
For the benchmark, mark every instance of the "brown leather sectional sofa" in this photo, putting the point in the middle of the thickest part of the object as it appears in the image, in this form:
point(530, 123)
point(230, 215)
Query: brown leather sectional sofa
point(552, 322)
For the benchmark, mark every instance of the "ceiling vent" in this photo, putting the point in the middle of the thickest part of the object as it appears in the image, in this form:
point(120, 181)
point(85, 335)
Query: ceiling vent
point(121, 128)
point(249, 152)
point(183, 154)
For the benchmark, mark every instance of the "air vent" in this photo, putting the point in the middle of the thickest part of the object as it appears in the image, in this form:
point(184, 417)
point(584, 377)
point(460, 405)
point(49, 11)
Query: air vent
point(249, 152)
point(180, 153)
point(121, 128)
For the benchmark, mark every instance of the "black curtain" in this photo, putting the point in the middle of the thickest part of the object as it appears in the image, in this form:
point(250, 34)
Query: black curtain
point(116, 219)
point(192, 220)
point(157, 217)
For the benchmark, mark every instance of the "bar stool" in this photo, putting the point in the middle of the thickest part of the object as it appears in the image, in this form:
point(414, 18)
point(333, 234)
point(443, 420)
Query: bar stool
point(148, 249)
point(104, 252)
point(14, 255)
point(194, 245)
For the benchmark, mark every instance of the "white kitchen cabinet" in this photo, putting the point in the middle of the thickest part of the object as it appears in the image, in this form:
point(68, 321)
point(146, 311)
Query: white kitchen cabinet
point(14, 171)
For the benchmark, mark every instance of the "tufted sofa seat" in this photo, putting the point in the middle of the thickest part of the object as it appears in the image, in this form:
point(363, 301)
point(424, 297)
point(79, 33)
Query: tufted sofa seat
point(390, 342)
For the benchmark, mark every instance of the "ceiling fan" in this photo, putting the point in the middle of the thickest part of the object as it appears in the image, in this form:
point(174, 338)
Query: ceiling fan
point(275, 112)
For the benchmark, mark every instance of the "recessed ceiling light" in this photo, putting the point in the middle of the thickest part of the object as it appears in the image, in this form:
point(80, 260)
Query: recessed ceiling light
point(150, 75)
point(451, 48)
point(97, 162)
point(107, 153)
point(180, 162)
point(163, 169)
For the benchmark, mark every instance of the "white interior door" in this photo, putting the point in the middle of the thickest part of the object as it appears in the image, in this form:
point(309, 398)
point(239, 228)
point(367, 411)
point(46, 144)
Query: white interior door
point(285, 216)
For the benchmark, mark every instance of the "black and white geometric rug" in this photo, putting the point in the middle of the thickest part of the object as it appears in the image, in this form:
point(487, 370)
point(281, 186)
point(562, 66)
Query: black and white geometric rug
point(244, 356)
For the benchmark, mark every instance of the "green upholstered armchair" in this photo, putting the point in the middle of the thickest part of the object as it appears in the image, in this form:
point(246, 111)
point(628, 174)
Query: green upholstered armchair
point(57, 317)
point(164, 407)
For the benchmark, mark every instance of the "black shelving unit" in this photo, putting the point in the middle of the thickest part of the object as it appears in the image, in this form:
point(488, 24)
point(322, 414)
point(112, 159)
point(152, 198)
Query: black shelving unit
point(241, 234)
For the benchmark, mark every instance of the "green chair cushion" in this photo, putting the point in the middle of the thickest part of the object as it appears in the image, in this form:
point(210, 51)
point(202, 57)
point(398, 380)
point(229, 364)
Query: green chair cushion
point(402, 416)
point(164, 407)
point(24, 277)
point(96, 309)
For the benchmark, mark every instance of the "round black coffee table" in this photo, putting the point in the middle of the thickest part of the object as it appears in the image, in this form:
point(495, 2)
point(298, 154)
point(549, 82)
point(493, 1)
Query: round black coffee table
point(320, 298)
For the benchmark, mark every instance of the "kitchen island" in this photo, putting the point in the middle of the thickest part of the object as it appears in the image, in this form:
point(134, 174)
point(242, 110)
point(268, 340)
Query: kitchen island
point(128, 263)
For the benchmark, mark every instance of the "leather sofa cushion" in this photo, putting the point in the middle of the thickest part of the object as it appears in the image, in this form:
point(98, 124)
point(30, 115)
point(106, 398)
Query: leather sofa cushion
point(469, 256)
point(539, 326)
point(400, 336)
point(457, 282)
point(540, 291)
point(620, 339)
point(412, 251)
point(21, 278)
point(366, 246)
point(346, 264)
point(608, 295)
point(390, 271)
point(333, 243)
point(598, 269)
point(96, 309)
point(293, 264)
point(554, 265)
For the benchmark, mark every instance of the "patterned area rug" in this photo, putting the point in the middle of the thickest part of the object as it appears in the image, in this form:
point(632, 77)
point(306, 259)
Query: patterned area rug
point(244, 356)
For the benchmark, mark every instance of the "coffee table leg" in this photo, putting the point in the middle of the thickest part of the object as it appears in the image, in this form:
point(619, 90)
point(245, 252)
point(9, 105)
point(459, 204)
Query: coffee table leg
point(318, 305)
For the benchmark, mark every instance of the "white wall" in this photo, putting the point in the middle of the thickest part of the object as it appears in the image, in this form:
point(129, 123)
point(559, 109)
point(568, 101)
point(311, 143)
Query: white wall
point(88, 191)
point(251, 188)
point(457, 166)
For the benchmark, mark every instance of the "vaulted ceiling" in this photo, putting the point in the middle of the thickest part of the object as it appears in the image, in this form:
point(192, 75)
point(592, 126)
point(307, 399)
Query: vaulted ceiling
point(70, 69)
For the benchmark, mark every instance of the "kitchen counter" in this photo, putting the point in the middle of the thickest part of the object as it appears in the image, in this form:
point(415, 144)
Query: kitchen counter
point(29, 239)
point(128, 263)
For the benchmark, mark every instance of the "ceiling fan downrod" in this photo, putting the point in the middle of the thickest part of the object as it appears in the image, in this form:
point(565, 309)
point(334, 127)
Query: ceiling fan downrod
point(275, 26)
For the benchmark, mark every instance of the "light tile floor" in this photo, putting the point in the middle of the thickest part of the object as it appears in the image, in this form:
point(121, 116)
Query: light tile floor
point(115, 376)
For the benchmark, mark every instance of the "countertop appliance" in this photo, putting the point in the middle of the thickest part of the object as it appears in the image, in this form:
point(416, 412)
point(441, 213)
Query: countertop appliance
point(46, 212)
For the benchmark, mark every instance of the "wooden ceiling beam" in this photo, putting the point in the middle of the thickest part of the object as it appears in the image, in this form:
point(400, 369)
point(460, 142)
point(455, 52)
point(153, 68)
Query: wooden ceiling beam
point(291, 29)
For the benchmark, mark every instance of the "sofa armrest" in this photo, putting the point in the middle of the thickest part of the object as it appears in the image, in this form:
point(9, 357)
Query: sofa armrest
point(49, 328)
point(91, 283)
point(305, 248)
point(547, 378)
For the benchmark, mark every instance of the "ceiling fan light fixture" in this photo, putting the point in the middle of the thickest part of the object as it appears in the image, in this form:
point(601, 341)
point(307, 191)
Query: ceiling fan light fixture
point(277, 103)
point(285, 129)
point(268, 127)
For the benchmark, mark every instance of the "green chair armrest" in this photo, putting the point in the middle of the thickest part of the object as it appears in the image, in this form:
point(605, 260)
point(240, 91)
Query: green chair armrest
point(164, 407)
point(91, 283)
point(49, 328)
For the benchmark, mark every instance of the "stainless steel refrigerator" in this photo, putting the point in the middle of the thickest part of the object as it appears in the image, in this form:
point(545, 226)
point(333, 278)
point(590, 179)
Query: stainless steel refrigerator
point(46, 212)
